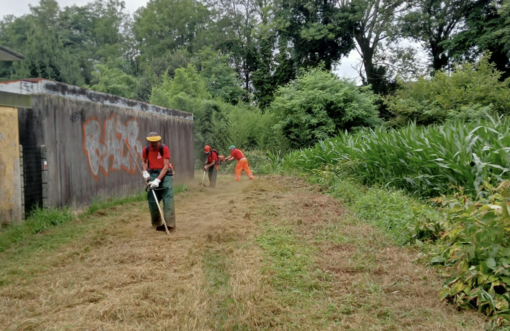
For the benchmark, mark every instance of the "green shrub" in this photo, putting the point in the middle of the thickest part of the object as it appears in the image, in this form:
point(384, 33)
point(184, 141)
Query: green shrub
point(467, 93)
point(110, 79)
point(474, 247)
point(216, 122)
point(318, 104)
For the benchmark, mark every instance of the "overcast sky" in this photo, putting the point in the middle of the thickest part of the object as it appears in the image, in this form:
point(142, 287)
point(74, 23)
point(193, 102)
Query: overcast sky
point(20, 7)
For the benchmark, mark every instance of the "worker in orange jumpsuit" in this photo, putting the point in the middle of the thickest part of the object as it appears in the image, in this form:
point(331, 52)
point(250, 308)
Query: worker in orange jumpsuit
point(242, 163)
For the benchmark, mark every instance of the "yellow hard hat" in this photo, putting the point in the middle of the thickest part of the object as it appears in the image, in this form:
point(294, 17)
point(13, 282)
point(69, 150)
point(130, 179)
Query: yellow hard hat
point(153, 137)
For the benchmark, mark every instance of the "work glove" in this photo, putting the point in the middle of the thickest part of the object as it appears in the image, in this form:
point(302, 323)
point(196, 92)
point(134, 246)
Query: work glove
point(146, 176)
point(155, 183)
point(205, 168)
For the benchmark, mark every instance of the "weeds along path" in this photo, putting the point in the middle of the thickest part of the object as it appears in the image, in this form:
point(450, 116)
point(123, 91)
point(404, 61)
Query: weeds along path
point(270, 254)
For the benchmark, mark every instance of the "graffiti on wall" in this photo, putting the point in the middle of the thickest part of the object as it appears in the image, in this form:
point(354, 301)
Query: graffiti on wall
point(105, 147)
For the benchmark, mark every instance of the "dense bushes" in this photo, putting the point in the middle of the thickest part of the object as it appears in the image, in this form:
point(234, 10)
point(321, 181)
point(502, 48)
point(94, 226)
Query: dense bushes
point(217, 122)
point(316, 108)
point(466, 149)
point(467, 93)
point(471, 241)
point(318, 104)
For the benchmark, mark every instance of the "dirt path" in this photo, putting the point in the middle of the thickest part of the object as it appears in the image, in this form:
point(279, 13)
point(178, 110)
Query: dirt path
point(270, 254)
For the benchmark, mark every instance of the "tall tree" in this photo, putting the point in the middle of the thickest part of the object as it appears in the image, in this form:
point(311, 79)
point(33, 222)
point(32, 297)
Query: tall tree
point(36, 35)
point(109, 78)
point(245, 30)
point(169, 25)
point(88, 35)
point(317, 32)
point(433, 22)
point(154, 72)
point(374, 22)
point(95, 32)
point(482, 32)
point(238, 19)
point(46, 57)
point(13, 33)
point(221, 79)
point(504, 31)
point(295, 35)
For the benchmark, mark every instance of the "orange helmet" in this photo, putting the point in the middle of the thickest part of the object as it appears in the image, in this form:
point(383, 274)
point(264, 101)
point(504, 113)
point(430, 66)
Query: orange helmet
point(207, 149)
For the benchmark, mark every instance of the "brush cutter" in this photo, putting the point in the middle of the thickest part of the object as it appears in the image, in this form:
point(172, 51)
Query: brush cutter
point(203, 177)
point(148, 187)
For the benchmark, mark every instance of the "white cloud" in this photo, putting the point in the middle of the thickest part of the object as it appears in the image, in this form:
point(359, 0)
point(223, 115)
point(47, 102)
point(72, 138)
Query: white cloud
point(133, 5)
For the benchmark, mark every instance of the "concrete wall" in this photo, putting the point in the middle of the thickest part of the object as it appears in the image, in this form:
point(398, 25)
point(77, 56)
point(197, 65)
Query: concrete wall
point(10, 180)
point(85, 151)
point(39, 86)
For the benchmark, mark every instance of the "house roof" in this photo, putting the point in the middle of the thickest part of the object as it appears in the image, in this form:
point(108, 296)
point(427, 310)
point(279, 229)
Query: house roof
point(7, 54)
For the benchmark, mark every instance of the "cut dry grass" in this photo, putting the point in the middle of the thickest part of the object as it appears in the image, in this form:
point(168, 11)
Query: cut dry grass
point(273, 254)
point(336, 272)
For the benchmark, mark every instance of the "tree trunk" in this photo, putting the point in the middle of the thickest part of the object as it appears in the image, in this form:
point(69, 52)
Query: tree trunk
point(439, 59)
point(367, 54)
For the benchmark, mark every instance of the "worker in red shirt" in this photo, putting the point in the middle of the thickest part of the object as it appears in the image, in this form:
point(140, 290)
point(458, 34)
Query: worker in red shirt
point(242, 163)
point(211, 164)
point(158, 171)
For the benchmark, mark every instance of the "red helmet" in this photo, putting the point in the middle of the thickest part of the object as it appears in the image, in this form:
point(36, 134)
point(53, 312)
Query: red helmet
point(207, 149)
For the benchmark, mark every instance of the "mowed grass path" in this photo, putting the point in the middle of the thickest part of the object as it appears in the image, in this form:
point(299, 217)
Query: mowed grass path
point(269, 254)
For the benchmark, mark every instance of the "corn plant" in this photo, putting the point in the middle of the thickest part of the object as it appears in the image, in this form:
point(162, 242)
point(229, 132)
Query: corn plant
point(426, 161)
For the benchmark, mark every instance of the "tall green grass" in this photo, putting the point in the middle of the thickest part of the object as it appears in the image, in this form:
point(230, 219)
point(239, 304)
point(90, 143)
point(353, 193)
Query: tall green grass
point(38, 221)
point(427, 161)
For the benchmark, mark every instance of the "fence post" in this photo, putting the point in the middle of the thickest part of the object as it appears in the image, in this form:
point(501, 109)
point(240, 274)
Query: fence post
point(22, 182)
point(44, 177)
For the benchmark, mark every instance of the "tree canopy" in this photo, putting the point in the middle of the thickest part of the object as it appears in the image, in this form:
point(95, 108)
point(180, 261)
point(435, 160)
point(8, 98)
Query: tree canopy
point(275, 62)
